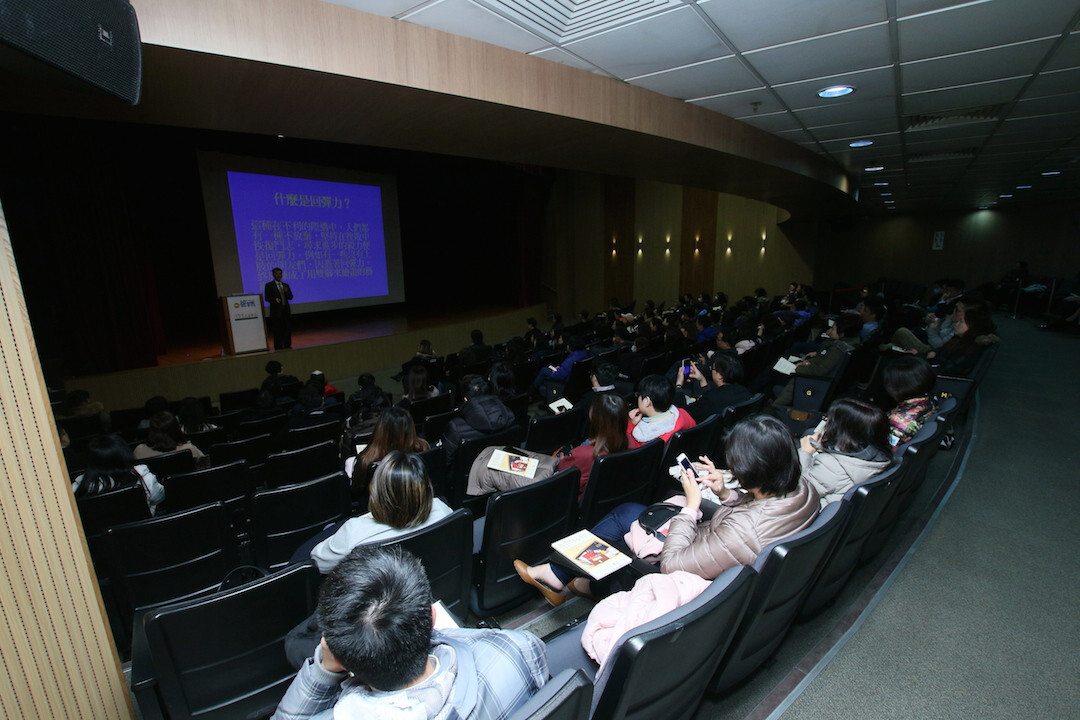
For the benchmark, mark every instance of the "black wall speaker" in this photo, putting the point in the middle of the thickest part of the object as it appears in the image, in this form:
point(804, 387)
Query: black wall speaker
point(95, 40)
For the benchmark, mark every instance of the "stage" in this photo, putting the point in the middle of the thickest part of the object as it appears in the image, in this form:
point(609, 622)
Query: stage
point(342, 346)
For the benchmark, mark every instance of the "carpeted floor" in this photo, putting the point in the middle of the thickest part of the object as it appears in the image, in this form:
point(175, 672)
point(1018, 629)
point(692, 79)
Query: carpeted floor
point(980, 620)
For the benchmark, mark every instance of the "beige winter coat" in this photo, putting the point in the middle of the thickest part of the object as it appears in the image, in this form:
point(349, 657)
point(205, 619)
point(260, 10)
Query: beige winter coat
point(736, 534)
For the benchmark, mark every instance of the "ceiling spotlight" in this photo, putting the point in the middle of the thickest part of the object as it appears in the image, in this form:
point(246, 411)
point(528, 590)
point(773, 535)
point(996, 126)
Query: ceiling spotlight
point(886, 194)
point(1006, 195)
point(1023, 187)
point(835, 91)
point(881, 184)
point(860, 143)
point(889, 202)
point(874, 168)
point(1052, 172)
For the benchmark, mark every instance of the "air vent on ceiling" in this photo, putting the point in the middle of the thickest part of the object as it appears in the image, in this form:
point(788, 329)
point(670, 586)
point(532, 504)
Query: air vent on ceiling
point(568, 20)
point(956, 117)
point(963, 154)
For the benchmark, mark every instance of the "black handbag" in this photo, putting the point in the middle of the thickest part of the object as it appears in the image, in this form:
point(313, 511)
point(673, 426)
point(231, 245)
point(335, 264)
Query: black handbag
point(656, 516)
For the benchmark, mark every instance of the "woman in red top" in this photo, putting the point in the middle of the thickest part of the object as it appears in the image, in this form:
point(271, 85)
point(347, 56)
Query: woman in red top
point(607, 434)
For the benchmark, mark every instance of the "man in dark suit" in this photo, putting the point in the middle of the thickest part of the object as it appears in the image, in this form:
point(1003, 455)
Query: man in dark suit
point(278, 295)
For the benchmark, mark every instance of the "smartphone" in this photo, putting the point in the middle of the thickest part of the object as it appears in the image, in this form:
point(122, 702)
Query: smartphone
point(685, 367)
point(686, 464)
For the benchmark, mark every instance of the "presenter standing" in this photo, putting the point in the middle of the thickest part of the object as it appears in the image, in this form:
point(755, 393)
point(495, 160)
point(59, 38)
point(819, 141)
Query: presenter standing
point(278, 295)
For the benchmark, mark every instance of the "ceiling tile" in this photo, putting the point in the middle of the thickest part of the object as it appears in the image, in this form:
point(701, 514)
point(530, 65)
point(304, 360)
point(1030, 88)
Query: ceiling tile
point(874, 109)
point(468, 19)
point(1047, 105)
point(782, 21)
point(971, 67)
point(959, 98)
point(979, 25)
point(713, 77)
point(1063, 125)
point(861, 49)
point(1054, 83)
point(973, 132)
point(774, 122)
point(666, 41)
point(881, 140)
point(875, 83)
point(742, 103)
point(566, 58)
point(854, 129)
point(1067, 55)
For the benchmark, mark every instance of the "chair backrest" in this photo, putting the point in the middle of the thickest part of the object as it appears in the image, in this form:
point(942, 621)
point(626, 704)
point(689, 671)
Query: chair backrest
point(223, 482)
point(208, 438)
point(695, 441)
point(787, 570)
point(567, 696)
point(629, 476)
point(962, 389)
point(733, 414)
point(228, 420)
point(867, 500)
point(519, 405)
point(238, 399)
point(421, 410)
point(547, 433)
point(296, 438)
point(435, 426)
point(434, 459)
point(170, 463)
point(222, 656)
point(296, 466)
point(170, 558)
point(817, 393)
point(283, 518)
point(83, 426)
point(521, 524)
point(466, 453)
point(578, 383)
point(253, 450)
point(445, 549)
point(524, 372)
point(661, 668)
point(272, 425)
point(115, 507)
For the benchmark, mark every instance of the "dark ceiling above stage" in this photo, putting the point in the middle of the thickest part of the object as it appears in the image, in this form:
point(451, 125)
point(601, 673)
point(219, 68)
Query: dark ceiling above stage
point(967, 103)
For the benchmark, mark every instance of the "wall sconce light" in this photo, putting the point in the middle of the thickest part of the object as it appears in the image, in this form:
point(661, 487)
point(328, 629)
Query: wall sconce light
point(612, 246)
point(762, 242)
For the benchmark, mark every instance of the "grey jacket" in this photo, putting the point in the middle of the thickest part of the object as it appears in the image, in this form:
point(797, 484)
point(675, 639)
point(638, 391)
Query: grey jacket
point(834, 473)
point(736, 533)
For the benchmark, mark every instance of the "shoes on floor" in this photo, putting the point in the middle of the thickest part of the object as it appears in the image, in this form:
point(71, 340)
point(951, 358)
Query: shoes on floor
point(582, 588)
point(554, 597)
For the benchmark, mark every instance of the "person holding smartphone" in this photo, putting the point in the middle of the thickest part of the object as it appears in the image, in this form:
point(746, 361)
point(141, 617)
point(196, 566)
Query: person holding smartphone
point(703, 397)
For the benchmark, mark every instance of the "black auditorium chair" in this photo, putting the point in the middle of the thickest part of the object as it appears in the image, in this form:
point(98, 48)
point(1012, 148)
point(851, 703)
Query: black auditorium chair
point(238, 400)
point(230, 421)
point(283, 518)
point(520, 524)
point(519, 405)
point(168, 559)
point(295, 466)
point(421, 410)
point(445, 549)
point(273, 425)
point(786, 571)
point(548, 433)
point(171, 463)
point(694, 442)
point(434, 459)
point(578, 382)
point(296, 438)
point(629, 476)
point(867, 500)
point(566, 696)
point(208, 438)
point(253, 450)
point(464, 456)
point(435, 426)
point(661, 669)
point(221, 656)
point(228, 483)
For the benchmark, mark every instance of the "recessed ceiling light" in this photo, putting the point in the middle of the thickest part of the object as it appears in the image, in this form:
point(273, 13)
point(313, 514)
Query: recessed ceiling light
point(984, 207)
point(889, 202)
point(834, 91)
point(874, 168)
point(891, 207)
point(1005, 195)
point(881, 184)
point(1052, 172)
point(860, 143)
point(886, 194)
point(1023, 187)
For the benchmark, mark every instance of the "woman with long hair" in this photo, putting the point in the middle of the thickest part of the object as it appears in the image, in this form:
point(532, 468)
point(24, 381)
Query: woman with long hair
point(400, 499)
point(110, 465)
point(607, 434)
point(165, 436)
point(193, 418)
point(851, 448)
point(394, 430)
point(910, 381)
point(417, 386)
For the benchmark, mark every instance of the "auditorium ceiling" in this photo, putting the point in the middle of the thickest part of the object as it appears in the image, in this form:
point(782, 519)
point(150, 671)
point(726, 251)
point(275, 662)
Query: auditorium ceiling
point(953, 104)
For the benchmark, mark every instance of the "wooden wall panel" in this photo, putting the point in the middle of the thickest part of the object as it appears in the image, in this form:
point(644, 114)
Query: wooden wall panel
point(620, 240)
point(698, 242)
point(58, 660)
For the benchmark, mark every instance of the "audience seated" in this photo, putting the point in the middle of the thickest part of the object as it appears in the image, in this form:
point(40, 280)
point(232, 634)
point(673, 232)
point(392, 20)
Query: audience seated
point(910, 381)
point(974, 332)
point(550, 379)
point(702, 397)
point(310, 409)
point(605, 377)
point(852, 447)
point(77, 403)
point(110, 465)
point(607, 434)
point(844, 336)
point(165, 436)
point(656, 415)
point(476, 352)
point(275, 380)
point(872, 313)
point(320, 383)
point(417, 386)
point(394, 430)
point(502, 379)
point(193, 418)
point(482, 413)
point(380, 656)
